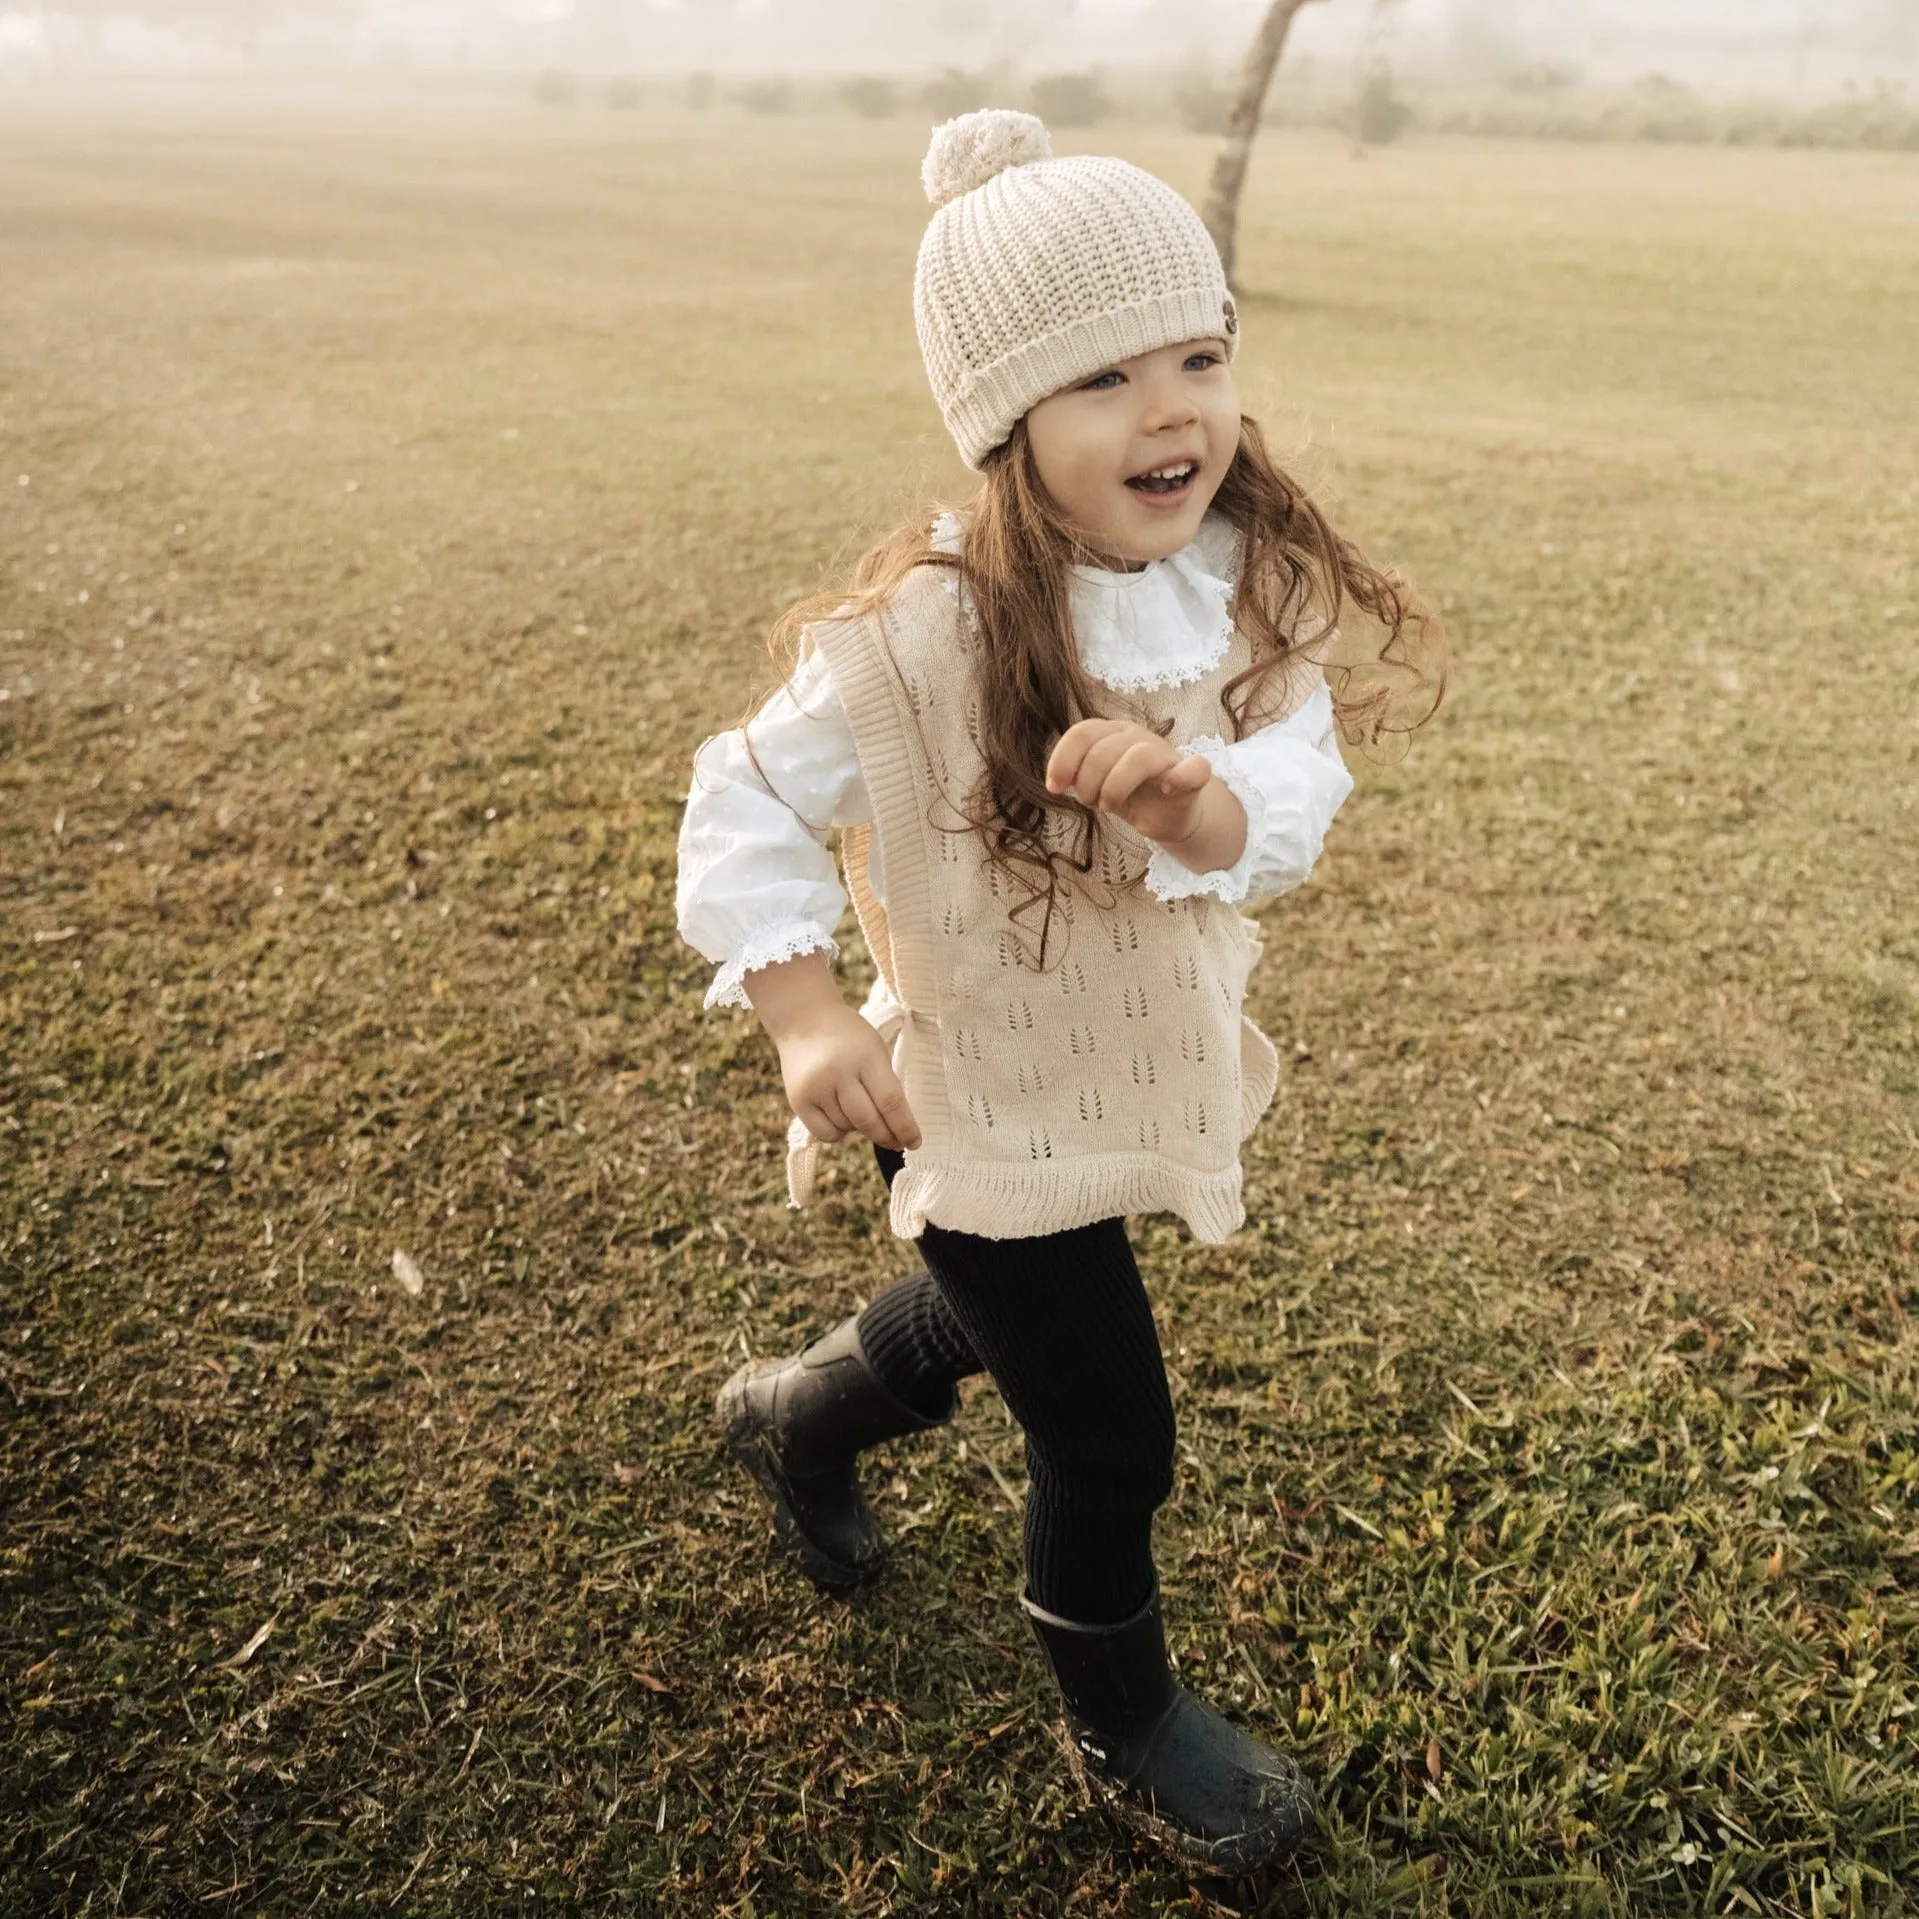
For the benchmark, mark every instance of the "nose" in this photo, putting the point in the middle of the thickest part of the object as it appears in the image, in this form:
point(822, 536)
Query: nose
point(1168, 404)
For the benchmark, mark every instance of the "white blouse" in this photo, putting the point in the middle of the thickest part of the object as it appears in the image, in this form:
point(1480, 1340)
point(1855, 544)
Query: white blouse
point(757, 883)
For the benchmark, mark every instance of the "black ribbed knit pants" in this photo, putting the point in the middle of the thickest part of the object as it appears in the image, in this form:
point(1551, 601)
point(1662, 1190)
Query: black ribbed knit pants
point(1062, 1323)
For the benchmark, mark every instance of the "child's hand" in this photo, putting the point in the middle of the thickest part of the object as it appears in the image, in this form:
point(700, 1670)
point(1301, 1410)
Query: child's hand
point(840, 1079)
point(839, 1076)
point(1120, 767)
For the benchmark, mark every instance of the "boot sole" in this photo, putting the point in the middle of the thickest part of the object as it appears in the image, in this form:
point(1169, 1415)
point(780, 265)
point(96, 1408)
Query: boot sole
point(1238, 1855)
point(746, 1439)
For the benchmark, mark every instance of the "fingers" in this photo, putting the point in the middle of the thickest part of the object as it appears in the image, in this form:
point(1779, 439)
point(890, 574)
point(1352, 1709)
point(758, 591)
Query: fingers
point(841, 1081)
point(876, 1106)
point(1187, 775)
point(1064, 762)
point(826, 1120)
point(873, 1105)
point(1097, 767)
point(1136, 765)
point(1103, 763)
point(1113, 764)
point(862, 1115)
point(889, 1096)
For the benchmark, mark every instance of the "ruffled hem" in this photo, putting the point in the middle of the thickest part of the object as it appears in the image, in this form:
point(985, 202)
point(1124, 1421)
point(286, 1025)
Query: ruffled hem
point(1167, 878)
point(1014, 1202)
point(765, 949)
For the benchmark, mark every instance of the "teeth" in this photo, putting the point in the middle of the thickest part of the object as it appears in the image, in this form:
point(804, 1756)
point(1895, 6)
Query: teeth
point(1170, 472)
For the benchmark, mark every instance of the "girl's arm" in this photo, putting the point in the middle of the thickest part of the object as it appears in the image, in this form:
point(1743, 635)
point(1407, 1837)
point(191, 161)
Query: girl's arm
point(1290, 779)
point(757, 884)
point(1236, 820)
point(1166, 793)
point(839, 1076)
point(760, 895)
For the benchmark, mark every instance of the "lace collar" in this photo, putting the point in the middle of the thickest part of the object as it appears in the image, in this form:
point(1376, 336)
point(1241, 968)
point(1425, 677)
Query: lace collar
point(1166, 625)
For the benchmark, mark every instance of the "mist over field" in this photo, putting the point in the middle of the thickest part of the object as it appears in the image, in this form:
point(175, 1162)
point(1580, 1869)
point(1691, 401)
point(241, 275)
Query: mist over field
point(1787, 48)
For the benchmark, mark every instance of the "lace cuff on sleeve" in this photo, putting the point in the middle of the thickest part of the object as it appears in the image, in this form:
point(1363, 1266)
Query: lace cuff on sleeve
point(766, 948)
point(1168, 879)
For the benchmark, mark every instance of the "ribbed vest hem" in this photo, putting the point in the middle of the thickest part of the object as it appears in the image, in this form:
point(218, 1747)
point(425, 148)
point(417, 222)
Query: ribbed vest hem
point(999, 1201)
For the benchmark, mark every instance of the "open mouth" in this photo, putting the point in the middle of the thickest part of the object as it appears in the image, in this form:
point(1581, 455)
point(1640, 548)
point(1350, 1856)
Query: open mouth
point(1172, 478)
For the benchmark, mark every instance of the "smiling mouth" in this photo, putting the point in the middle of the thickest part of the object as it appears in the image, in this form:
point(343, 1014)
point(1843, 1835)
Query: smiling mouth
point(1171, 478)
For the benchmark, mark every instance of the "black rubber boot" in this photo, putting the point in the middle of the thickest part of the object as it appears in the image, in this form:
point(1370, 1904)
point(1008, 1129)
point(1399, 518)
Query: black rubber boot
point(1164, 1762)
point(796, 1425)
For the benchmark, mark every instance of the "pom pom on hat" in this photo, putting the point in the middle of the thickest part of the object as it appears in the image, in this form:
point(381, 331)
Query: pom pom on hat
point(967, 152)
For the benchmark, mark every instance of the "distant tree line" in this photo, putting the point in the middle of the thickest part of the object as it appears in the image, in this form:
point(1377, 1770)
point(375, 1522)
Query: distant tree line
point(1373, 104)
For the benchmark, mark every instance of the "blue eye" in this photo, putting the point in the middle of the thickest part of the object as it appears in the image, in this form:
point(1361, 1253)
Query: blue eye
point(1105, 382)
point(1199, 362)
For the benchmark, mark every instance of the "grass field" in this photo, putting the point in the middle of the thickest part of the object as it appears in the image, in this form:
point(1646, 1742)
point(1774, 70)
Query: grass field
point(388, 507)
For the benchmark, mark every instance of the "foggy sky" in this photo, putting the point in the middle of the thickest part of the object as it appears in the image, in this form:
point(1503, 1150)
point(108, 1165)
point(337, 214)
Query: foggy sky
point(1778, 46)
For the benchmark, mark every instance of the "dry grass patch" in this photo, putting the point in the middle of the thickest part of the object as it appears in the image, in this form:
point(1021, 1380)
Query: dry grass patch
point(405, 503)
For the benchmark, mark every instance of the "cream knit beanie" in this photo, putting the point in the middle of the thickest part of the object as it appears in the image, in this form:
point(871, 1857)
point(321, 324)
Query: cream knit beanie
point(1037, 272)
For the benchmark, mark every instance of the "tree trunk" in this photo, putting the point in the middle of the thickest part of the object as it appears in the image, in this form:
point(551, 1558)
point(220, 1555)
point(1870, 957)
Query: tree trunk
point(1221, 213)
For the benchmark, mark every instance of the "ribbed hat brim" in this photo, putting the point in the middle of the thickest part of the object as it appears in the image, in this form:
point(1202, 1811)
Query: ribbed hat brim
point(984, 411)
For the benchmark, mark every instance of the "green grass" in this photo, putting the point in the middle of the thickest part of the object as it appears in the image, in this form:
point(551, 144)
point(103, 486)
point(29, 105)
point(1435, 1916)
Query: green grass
point(1550, 1436)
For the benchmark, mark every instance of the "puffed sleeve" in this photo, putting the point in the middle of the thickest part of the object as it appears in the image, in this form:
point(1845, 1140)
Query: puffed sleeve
point(1291, 780)
point(757, 882)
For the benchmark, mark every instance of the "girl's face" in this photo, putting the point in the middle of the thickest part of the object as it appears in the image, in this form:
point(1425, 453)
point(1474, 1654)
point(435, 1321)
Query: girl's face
point(1133, 456)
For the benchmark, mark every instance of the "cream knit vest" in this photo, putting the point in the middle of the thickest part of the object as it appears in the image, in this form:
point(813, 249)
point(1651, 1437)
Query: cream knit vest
point(1119, 1080)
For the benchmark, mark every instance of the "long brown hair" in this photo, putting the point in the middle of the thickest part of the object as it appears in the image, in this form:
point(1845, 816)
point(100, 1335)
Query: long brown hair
point(1296, 576)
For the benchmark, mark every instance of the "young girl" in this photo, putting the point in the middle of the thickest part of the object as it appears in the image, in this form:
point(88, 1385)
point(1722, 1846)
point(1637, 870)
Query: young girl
point(1065, 733)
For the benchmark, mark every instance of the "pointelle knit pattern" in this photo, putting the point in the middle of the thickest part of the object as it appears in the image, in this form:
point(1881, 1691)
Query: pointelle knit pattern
point(1120, 1079)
